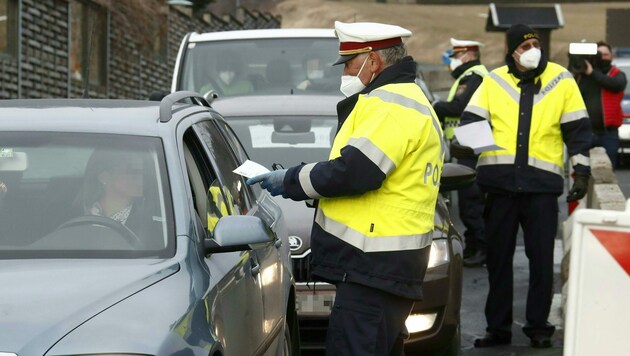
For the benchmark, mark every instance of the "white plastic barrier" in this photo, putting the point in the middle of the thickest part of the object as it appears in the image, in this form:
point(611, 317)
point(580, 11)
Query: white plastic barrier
point(598, 306)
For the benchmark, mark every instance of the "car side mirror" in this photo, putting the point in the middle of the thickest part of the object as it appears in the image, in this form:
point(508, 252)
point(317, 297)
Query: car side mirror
point(210, 96)
point(456, 176)
point(238, 233)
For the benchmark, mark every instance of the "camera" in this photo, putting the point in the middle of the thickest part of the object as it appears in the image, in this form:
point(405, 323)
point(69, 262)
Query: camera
point(580, 52)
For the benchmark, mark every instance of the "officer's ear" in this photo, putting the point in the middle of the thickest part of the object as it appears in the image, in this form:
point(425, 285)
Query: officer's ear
point(375, 62)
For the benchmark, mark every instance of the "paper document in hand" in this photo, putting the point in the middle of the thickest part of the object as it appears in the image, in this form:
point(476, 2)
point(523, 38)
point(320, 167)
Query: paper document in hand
point(477, 135)
point(250, 169)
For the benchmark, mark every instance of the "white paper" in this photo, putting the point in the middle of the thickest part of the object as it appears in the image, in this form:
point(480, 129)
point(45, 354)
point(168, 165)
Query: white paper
point(250, 169)
point(478, 136)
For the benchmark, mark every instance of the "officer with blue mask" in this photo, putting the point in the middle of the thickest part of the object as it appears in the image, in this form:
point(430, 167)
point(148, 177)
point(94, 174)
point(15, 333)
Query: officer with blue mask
point(468, 72)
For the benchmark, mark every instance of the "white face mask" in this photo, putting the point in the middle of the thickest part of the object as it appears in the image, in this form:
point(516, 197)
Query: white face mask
point(350, 84)
point(315, 74)
point(530, 58)
point(226, 76)
point(455, 62)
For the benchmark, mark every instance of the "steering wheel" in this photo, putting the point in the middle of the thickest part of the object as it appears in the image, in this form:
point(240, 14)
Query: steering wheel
point(121, 229)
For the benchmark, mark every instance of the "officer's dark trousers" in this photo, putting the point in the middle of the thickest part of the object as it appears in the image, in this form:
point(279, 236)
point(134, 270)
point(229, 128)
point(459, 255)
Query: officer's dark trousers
point(471, 207)
point(537, 214)
point(366, 321)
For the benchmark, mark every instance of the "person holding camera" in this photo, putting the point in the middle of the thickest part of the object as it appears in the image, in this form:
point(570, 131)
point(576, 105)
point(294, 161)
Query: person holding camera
point(602, 86)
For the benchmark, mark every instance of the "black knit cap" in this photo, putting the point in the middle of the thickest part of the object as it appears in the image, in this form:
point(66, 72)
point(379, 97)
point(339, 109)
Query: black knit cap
point(518, 34)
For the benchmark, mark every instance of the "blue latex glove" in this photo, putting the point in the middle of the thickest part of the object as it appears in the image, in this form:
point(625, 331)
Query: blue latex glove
point(272, 181)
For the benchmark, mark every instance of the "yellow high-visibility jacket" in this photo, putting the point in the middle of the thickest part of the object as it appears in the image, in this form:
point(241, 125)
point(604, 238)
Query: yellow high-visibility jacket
point(532, 127)
point(378, 190)
point(451, 122)
point(401, 136)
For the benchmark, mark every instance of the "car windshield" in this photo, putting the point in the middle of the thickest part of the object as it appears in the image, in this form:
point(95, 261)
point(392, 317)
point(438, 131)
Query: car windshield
point(287, 140)
point(83, 196)
point(263, 67)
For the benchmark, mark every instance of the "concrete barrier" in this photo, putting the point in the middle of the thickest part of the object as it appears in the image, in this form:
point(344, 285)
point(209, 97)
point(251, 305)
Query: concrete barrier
point(604, 193)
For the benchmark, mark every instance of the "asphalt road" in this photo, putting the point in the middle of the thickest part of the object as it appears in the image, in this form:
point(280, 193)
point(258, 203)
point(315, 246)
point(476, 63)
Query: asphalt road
point(475, 289)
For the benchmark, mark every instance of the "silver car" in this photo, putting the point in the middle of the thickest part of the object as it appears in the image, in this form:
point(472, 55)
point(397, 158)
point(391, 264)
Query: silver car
point(124, 231)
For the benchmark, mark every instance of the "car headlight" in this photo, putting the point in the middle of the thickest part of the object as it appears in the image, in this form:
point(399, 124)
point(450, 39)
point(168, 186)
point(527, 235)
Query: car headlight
point(416, 323)
point(439, 253)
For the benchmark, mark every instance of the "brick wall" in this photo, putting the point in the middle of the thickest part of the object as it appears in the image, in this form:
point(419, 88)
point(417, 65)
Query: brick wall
point(41, 70)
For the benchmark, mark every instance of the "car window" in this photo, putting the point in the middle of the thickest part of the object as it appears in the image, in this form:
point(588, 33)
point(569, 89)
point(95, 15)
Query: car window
point(424, 86)
point(288, 140)
point(208, 195)
point(83, 195)
point(233, 185)
point(262, 66)
point(233, 140)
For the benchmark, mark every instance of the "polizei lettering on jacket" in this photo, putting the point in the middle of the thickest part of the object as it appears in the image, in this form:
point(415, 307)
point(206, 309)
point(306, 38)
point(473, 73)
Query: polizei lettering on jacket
point(432, 172)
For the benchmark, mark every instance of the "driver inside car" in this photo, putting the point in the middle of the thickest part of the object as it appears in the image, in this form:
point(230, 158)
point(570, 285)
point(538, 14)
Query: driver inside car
point(228, 78)
point(114, 188)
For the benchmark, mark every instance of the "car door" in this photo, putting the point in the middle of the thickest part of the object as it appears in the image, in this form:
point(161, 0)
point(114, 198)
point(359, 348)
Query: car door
point(228, 154)
point(235, 300)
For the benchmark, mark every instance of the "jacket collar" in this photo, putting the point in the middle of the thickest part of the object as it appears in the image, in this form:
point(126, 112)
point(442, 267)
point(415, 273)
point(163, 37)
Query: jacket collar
point(464, 67)
point(401, 72)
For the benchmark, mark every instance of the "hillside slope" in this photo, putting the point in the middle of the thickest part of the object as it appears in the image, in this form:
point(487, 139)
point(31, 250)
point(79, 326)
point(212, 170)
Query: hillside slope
point(434, 25)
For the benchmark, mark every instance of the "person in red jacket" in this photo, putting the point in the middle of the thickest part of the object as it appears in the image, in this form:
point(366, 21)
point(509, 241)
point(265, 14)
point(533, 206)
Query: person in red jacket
point(602, 86)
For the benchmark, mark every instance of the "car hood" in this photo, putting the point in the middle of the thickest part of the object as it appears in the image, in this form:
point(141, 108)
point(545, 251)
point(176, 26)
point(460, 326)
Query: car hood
point(299, 220)
point(43, 300)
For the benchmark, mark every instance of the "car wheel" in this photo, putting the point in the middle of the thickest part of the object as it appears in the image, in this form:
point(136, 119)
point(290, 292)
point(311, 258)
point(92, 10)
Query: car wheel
point(454, 346)
point(291, 345)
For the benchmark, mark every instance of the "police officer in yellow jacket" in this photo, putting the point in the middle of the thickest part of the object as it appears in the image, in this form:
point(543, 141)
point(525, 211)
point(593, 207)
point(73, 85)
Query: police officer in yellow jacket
point(466, 68)
point(534, 107)
point(376, 194)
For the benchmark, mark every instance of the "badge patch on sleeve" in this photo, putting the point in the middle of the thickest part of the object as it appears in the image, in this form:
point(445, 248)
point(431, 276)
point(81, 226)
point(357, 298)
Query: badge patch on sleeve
point(461, 89)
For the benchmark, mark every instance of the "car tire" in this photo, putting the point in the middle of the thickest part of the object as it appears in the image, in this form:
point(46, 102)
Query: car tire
point(454, 346)
point(291, 346)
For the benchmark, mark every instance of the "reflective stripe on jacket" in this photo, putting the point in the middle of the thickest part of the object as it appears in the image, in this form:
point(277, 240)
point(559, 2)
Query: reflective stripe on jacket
point(537, 135)
point(451, 122)
point(378, 190)
point(402, 137)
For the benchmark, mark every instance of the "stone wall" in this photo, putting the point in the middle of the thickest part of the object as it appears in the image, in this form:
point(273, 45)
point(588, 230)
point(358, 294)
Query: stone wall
point(41, 68)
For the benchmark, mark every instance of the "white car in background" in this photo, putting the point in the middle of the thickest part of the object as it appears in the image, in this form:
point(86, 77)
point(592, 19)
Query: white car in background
point(623, 63)
point(268, 62)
